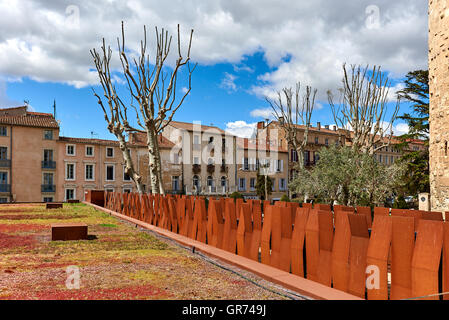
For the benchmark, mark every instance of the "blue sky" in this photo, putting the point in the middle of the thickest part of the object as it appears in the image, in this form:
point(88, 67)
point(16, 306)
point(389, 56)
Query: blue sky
point(243, 52)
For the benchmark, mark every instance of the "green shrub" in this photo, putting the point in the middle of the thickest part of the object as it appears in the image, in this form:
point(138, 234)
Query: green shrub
point(236, 195)
point(285, 198)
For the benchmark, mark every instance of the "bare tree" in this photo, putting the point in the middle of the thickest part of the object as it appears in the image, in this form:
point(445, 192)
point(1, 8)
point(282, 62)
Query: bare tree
point(114, 111)
point(363, 108)
point(153, 93)
point(294, 113)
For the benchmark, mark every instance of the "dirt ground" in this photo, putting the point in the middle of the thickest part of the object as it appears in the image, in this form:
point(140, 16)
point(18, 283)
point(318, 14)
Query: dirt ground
point(119, 261)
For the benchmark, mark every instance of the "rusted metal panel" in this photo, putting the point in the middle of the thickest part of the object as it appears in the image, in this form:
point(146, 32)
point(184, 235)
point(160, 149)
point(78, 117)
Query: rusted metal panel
point(265, 242)
point(298, 237)
point(340, 251)
point(307, 205)
point(426, 259)
point(257, 230)
point(381, 211)
point(377, 258)
point(402, 245)
point(322, 207)
point(366, 211)
point(286, 239)
point(230, 228)
point(244, 231)
point(276, 236)
point(357, 254)
point(445, 280)
point(326, 236)
point(312, 245)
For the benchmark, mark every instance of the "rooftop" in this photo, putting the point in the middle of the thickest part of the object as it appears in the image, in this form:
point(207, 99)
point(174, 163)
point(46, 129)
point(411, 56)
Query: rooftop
point(20, 116)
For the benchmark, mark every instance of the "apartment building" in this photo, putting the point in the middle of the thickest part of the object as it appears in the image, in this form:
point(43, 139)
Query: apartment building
point(207, 156)
point(258, 156)
point(28, 155)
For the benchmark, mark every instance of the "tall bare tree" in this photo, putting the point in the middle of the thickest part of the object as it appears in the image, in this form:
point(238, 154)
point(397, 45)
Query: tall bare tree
point(153, 90)
point(292, 112)
point(363, 108)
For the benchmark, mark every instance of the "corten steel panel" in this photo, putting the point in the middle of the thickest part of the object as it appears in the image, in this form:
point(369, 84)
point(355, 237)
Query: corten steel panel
point(144, 207)
point(173, 215)
point(326, 234)
point(257, 231)
point(431, 215)
point(357, 254)
point(402, 245)
point(188, 220)
point(307, 205)
point(69, 231)
point(426, 259)
point(322, 207)
point(265, 204)
point(265, 243)
point(156, 210)
point(340, 251)
point(125, 204)
point(230, 228)
point(377, 256)
point(298, 237)
point(286, 239)
point(181, 213)
point(250, 203)
point(96, 197)
point(163, 214)
point(238, 205)
point(150, 211)
point(217, 224)
point(312, 245)
point(244, 231)
point(366, 211)
point(343, 208)
point(200, 216)
point(399, 212)
point(381, 211)
point(53, 205)
point(209, 220)
point(276, 236)
point(445, 263)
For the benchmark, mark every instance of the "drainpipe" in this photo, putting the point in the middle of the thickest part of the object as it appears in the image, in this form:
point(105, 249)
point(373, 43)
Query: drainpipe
point(10, 167)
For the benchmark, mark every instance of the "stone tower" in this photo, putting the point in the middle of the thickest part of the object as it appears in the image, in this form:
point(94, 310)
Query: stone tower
point(439, 103)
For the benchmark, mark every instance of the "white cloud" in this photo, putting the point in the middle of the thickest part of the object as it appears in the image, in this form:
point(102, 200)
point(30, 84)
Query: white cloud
point(266, 113)
point(228, 82)
point(241, 128)
point(5, 101)
point(400, 129)
point(43, 41)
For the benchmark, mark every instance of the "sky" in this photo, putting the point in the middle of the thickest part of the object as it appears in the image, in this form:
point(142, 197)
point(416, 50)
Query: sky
point(245, 51)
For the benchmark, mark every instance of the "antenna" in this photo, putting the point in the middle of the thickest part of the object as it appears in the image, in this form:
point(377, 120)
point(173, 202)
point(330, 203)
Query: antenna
point(92, 134)
point(54, 108)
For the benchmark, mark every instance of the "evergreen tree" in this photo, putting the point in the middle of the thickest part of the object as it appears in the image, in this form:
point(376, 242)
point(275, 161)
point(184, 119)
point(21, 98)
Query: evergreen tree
point(416, 92)
point(260, 185)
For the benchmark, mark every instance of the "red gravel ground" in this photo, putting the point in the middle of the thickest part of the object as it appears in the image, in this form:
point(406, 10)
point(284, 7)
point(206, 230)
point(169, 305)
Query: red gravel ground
point(120, 262)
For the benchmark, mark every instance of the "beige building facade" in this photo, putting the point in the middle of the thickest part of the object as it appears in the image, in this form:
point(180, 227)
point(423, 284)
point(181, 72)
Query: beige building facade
point(439, 103)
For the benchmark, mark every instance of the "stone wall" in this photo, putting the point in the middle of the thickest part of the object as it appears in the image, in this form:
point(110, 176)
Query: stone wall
point(439, 103)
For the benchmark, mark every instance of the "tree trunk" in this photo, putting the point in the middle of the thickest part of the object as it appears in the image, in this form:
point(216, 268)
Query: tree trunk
point(129, 164)
point(152, 164)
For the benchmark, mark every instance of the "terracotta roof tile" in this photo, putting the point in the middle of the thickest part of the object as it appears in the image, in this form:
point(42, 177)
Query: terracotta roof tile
point(19, 116)
point(189, 126)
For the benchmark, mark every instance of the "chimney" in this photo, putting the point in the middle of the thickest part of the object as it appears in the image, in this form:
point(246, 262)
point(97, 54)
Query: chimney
point(319, 125)
point(260, 125)
point(327, 127)
point(335, 128)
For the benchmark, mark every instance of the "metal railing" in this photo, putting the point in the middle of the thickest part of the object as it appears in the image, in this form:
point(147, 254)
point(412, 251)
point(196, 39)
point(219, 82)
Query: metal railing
point(48, 188)
point(48, 164)
point(5, 187)
point(5, 163)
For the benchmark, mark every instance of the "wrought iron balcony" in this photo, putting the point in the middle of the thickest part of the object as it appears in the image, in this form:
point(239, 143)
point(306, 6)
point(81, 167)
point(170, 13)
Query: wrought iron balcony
point(48, 164)
point(5, 163)
point(224, 169)
point(196, 168)
point(48, 188)
point(5, 187)
point(211, 168)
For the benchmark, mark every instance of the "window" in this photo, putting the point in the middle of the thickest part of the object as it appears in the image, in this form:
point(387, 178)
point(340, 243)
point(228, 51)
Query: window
point(175, 183)
point(3, 177)
point(70, 171)
point(392, 159)
point(242, 184)
point(48, 178)
point(252, 183)
point(110, 190)
point(109, 152)
point(110, 173)
point(48, 199)
point(326, 142)
point(3, 200)
point(89, 151)
point(3, 153)
point(280, 165)
point(48, 155)
point(127, 190)
point(317, 140)
point(196, 139)
point(90, 172)
point(48, 134)
point(126, 176)
point(211, 140)
point(196, 160)
point(223, 181)
point(282, 184)
point(3, 131)
point(273, 184)
point(245, 164)
point(196, 183)
point(69, 194)
point(294, 155)
point(70, 150)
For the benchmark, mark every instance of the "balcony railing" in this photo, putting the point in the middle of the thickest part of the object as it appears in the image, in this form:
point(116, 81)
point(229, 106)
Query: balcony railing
point(5, 163)
point(48, 164)
point(210, 168)
point(48, 188)
point(5, 187)
point(196, 168)
point(224, 169)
